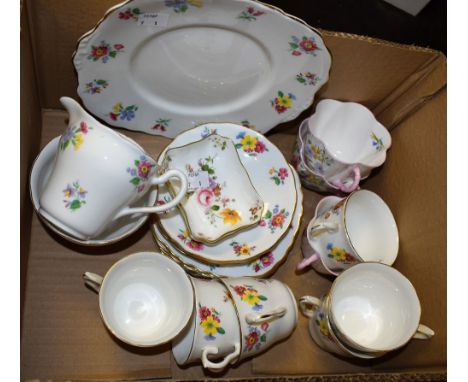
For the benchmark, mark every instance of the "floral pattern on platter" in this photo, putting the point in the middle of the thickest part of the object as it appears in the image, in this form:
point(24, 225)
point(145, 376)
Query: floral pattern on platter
point(249, 295)
point(181, 6)
point(339, 254)
point(74, 136)
point(242, 249)
point(96, 86)
point(130, 14)
point(140, 172)
point(278, 176)
point(274, 218)
point(211, 198)
point(184, 236)
point(210, 322)
point(377, 142)
point(123, 112)
point(207, 132)
point(307, 78)
point(250, 14)
point(305, 45)
point(282, 102)
point(250, 144)
point(263, 262)
point(321, 322)
point(74, 195)
point(161, 124)
point(256, 337)
point(104, 51)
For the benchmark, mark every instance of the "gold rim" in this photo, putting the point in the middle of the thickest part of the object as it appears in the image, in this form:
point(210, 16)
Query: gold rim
point(217, 262)
point(194, 270)
point(124, 259)
point(182, 209)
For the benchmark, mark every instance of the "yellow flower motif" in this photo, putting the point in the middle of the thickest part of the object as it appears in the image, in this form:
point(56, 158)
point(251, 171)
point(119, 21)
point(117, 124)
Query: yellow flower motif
point(186, 233)
point(66, 193)
point(117, 107)
point(210, 325)
point(245, 250)
point(248, 142)
point(271, 171)
point(196, 3)
point(77, 141)
point(338, 253)
point(285, 101)
point(230, 216)
point(251, 297)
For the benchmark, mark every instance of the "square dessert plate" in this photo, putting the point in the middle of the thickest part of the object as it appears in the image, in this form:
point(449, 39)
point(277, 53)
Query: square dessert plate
point(221, 199)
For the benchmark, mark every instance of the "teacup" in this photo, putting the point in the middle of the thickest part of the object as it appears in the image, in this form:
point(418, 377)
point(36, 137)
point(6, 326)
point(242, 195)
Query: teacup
point(145, 299)
point(343, 142)
point(214, 331)
point(371, 309)
point(355, 229)
point(98, 174)
point(267, 312)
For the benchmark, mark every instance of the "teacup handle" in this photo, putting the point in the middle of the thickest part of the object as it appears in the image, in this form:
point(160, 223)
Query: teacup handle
point(307, 261)
point(93, 280)
point(320, 228)
point(155, 181)
point(216, 366)
point(255, 319)
point(309, 305)
point(423, 332)
point(354, 185)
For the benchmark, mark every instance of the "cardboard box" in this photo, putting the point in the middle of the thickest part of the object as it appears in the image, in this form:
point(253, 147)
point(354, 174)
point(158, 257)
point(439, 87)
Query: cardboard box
point(63, 337)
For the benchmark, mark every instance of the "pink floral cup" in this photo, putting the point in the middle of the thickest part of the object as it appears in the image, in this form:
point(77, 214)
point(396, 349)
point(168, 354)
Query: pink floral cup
point(213, 335)
point(267, 312)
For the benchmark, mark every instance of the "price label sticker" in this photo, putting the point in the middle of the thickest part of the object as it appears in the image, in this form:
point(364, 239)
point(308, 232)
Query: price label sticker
point(153, 19)
point(198, 180)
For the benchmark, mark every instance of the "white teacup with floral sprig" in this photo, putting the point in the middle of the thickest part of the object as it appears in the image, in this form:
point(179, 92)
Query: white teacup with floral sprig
point(98, 174)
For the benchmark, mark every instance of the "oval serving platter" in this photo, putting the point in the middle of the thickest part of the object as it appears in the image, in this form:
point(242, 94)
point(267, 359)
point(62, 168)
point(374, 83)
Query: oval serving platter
point(162, 67)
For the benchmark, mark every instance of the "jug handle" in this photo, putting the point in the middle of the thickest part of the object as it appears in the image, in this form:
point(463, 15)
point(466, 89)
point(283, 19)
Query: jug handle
point(159, 180)
point(255, 319)
point(354, 185)
point(230, 358)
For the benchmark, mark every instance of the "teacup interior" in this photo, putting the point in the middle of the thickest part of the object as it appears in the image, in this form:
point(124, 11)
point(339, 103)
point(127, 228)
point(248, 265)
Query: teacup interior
point(146, 299)
point(375, 306)
point(371, 227)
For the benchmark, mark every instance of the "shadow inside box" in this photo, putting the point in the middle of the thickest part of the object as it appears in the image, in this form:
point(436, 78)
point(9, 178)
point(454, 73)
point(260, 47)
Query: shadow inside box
point(100, 249)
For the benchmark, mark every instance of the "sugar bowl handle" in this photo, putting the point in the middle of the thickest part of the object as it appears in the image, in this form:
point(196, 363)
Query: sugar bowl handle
point(218, 366)
point(93, 280)
point(255, 319)
point(423, 332)
point(352, 186)
point(309, 305)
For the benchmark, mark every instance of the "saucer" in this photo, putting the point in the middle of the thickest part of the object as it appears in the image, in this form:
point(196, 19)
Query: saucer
point(270, 175)
point(120, 229)
point(162, 67)
point(221, 199)
point(264, 266)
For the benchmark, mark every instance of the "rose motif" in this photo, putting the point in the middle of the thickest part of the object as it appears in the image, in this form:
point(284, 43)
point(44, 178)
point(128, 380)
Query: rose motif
point(204, 196)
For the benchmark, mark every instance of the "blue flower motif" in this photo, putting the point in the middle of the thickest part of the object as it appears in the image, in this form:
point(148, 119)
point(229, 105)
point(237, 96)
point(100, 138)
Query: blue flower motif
point(240, 135)
point(257, 307)
point(105, 59)
point(127, 114)
point(292, 96)
point(329, 246)
point(210, 337)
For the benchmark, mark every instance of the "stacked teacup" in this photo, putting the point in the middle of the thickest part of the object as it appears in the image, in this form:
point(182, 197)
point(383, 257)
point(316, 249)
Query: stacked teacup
point(338, 146)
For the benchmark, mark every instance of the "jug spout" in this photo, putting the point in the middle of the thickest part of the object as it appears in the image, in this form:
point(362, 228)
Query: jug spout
point(75, 112)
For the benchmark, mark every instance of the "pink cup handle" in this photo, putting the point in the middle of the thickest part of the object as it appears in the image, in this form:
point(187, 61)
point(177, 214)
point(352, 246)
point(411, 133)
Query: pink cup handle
point(352, 187)
point(307, 261)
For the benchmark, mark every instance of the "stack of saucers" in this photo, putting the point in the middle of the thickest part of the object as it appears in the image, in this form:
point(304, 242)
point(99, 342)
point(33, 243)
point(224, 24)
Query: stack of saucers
point(244, 205)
